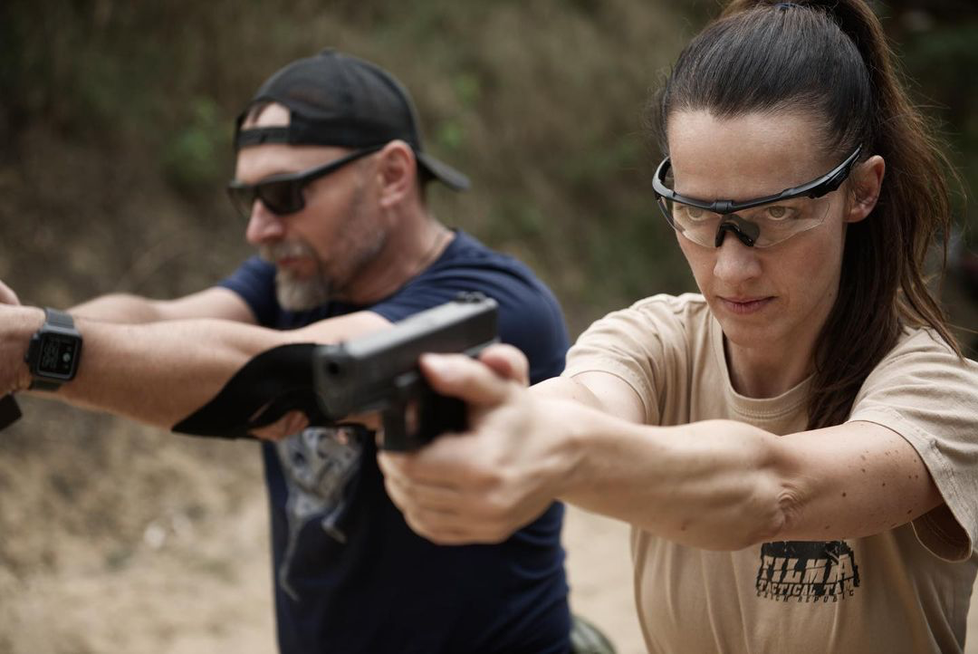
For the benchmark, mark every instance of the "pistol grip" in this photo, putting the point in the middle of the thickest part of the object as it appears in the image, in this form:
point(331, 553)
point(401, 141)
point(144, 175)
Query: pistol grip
point(397, 437)
point(433, 414)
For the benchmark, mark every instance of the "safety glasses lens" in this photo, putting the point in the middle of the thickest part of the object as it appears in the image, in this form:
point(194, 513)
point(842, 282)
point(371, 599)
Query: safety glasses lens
point(772, 223)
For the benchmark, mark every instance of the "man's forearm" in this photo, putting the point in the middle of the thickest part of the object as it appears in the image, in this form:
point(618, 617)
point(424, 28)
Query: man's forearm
point(118, 307)
point(158, 373)
point(214, 302)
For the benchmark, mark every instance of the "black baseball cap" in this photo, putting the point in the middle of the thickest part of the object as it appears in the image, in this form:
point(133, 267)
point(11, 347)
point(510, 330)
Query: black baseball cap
point(338, 100)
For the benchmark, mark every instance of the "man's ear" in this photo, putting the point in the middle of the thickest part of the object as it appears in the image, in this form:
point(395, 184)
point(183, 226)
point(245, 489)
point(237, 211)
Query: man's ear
point(866, 180)
point(397, 170)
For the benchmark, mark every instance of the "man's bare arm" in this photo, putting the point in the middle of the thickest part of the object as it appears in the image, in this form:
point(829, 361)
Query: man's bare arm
point(7, 295)
point(158, 372)
point(215, 302)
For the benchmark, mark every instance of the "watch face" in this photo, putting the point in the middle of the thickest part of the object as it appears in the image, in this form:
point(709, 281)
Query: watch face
point(57, 356)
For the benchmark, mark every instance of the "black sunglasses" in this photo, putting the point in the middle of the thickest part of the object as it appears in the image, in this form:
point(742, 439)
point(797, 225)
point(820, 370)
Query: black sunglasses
point(282, 194)
point(813, 189)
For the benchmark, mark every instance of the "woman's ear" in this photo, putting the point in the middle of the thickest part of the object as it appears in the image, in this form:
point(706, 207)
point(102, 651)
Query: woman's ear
point(866, 180)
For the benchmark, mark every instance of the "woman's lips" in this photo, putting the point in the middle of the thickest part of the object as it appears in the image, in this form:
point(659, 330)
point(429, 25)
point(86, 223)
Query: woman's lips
point(745, 306)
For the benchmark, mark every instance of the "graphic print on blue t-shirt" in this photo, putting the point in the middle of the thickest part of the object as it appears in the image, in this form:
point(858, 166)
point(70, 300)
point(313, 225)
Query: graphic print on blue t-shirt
point(320, 464)
point(351, 576)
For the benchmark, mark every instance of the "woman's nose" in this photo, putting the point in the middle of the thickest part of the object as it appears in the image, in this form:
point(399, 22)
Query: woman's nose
point(736, 262)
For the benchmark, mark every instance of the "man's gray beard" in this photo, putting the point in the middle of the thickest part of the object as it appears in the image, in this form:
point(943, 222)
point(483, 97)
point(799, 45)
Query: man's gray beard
point(362, 242)
point(296, 293)
point(301, 294)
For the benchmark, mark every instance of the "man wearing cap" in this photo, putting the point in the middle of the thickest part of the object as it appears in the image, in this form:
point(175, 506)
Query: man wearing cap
point(330, 174)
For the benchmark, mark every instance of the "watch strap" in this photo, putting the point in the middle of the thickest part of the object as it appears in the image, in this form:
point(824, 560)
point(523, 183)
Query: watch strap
point(58, 318)
point(42, 385)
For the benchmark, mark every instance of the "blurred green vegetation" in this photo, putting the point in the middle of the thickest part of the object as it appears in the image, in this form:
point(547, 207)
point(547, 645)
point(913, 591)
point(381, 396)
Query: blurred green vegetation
point(115, 126)
point(116, 120)
point(937, 41)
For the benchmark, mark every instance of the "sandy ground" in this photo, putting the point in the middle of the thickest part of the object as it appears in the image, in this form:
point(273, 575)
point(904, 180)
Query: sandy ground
point(153, 550)
point(191, 591)
point(115, 538)
point(188, 591)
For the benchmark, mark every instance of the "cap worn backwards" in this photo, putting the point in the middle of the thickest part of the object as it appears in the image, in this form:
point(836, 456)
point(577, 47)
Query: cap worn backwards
point(335, 99)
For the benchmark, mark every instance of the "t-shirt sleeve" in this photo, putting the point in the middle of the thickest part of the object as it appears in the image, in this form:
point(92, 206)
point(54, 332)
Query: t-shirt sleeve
point(254, 281)
point(529, 316)
point(929, 396)
point(424, 293)
point(639, 345)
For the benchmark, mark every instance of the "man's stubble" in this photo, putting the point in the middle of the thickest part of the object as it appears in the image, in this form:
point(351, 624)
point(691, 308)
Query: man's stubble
point(357, 245)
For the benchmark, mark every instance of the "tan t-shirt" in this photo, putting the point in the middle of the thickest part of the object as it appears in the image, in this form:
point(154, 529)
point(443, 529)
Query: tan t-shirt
point(899, 591)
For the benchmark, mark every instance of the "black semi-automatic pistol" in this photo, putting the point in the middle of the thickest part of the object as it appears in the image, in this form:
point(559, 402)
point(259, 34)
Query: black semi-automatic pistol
point(379, 372)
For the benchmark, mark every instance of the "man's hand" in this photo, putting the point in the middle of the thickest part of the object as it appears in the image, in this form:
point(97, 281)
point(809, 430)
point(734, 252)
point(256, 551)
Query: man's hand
point(17, 325)
point(7, 295)
point(9, 411)
point(291, 423)
point(295, 421)
point(481, 486)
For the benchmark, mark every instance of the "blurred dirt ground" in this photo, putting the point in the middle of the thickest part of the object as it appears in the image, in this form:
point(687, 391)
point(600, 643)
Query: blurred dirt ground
point(163, 548)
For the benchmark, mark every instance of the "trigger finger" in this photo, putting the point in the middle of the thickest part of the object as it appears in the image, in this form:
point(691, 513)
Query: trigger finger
point(507, 361)
point(457, 375)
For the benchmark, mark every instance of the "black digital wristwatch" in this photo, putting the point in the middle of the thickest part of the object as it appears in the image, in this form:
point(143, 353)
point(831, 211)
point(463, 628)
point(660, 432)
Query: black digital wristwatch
point(53, 354)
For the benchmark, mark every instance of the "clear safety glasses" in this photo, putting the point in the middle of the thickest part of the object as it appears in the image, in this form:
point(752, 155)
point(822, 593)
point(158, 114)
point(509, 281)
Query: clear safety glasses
point(761, 222)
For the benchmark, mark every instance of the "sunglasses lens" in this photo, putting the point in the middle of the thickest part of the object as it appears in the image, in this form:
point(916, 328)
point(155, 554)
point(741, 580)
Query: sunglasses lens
point(281, 197)
point(243, 198)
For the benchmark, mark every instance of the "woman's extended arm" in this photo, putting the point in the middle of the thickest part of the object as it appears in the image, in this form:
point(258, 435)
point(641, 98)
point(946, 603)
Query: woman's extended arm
point(715, 485)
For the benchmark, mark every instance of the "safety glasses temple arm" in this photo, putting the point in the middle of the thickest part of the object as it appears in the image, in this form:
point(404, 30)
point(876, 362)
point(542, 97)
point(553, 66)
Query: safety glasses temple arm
point(814, 189)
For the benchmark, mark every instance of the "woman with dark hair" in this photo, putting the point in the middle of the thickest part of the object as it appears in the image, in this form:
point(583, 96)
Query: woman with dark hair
point(796, 445)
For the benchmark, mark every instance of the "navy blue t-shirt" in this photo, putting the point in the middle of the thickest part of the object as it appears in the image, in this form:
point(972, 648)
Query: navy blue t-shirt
point(351, 576)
